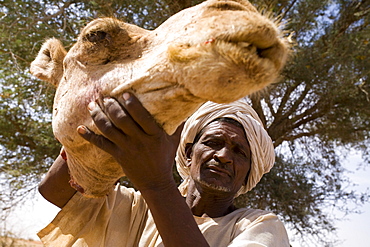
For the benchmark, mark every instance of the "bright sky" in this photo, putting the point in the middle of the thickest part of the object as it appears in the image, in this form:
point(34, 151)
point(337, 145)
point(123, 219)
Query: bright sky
point(26, 220)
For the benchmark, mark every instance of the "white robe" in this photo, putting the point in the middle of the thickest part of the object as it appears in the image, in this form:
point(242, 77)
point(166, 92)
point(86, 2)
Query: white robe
point(122, 219)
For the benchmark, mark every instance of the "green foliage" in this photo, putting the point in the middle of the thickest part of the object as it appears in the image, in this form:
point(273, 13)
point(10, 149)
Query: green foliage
point(320, 105)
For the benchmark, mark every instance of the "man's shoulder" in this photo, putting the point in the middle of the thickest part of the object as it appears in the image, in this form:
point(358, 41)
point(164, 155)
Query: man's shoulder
point(251, 214)
point(252, 211)
point(121, 191)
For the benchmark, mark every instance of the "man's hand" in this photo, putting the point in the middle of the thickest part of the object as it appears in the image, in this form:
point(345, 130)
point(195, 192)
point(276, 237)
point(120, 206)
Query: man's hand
point(146, 153)
point(131, 135)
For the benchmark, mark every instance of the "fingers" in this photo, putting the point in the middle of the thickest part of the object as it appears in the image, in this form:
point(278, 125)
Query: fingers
point(120, 120)
point(139, 114)
point(103, 122)
point(127, 114)
point(119, 117)
point(98, 140)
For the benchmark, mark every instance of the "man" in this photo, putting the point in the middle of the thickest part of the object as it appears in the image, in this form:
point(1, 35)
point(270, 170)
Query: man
point(223, 152)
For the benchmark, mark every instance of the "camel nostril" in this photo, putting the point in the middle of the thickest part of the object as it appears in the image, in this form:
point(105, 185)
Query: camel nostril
point(259, 52)
point(276, 53)
point(265, 52)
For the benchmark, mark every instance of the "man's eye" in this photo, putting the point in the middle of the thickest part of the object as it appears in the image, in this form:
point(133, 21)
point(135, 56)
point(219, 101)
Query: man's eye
point(240, 152)
point(208, 143)
point(211, 143)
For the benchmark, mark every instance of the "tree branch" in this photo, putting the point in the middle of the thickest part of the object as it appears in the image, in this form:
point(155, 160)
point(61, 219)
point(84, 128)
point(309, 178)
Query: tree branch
point(61, 10)
point(285, 98)
point(13, 55)
point(297, 102)
point(306, 120)
point(283, 15)
point(269, 105)
point(257, 106)
point(27, 141)
point(280, 140)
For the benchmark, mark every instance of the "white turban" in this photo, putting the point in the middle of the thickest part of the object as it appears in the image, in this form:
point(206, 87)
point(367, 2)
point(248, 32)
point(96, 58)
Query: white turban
point(262, 149)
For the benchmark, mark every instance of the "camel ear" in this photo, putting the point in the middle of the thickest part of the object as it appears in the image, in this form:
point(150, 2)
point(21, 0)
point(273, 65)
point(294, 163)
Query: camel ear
point(48, 65)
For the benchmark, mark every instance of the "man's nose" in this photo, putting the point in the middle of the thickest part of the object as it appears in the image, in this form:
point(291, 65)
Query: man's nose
point(223, 156)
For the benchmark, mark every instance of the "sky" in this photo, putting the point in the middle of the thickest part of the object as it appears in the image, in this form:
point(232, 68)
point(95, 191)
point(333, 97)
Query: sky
point(354, 230)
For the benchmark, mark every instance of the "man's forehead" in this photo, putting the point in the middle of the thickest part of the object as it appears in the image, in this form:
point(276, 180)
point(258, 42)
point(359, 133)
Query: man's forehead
point(220, 119)
point(224, 129)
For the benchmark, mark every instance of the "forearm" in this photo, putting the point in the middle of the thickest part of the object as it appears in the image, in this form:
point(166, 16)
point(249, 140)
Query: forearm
point(55, 186)
point(173, 217)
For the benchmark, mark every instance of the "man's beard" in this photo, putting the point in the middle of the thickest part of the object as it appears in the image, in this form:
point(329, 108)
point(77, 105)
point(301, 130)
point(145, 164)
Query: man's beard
point(212, 186)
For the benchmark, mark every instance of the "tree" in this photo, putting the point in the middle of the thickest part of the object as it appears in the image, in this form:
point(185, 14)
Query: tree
point(320, 105)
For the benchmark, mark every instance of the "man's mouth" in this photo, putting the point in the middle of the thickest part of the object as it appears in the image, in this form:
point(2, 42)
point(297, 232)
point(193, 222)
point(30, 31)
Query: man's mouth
point(217, 168)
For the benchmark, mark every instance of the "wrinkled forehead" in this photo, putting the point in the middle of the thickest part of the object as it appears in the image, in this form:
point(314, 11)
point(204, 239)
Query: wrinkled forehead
point(224, 126)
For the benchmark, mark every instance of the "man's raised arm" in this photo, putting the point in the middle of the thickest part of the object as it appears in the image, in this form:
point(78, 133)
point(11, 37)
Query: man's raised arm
point(55, 186)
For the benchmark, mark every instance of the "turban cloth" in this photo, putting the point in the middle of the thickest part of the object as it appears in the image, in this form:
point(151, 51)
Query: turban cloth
point(262, 149)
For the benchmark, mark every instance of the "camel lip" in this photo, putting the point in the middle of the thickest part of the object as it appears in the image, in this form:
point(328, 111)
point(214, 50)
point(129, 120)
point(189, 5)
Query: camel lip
point(244, 47)
point(241, 34)
point(244, 42)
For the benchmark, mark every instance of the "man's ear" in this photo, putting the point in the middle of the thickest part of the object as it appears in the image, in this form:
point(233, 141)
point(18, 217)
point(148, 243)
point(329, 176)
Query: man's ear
point(48, 65)
point(188, 151)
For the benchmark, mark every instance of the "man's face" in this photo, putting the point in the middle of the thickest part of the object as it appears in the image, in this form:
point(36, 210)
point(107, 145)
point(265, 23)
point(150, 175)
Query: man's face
point(221, 158)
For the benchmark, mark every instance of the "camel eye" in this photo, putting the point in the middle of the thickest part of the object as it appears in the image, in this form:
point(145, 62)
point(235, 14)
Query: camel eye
point(97, 36)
